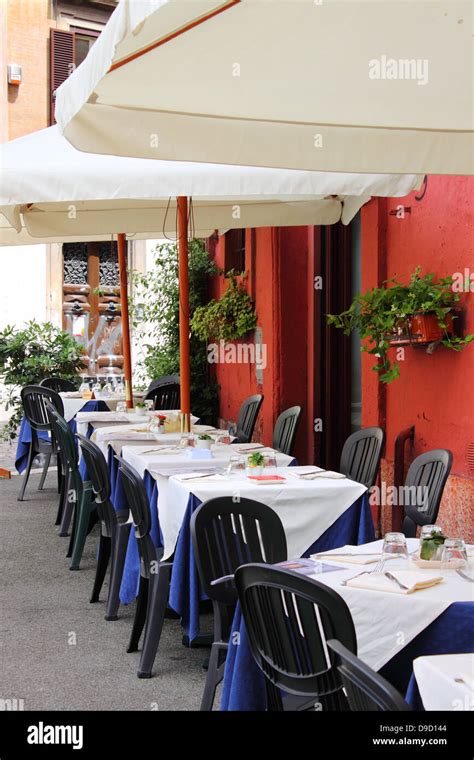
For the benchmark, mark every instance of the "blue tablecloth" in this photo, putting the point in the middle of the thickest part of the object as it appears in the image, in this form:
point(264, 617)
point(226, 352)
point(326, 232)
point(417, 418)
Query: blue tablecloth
point(24, 436)
point(185, 592)
point(244, 687)
point(451, 633)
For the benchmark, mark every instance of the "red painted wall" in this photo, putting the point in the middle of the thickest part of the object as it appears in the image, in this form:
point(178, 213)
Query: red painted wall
point(277, 261)
point(435, 393)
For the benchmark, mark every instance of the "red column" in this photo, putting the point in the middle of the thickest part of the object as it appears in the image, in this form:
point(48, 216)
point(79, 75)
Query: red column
point(127, 359)
point(184, 313)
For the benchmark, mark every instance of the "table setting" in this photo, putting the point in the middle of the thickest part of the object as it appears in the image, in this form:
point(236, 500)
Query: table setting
point(400, 611)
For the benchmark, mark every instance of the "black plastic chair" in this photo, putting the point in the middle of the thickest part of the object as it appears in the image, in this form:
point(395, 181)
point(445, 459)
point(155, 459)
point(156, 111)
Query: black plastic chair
point(285, 430)
point(424, 486)
point(227, 534)
point(289, 619)
point(98, 473)
point(58, 384)
point(80, 495)
point(163, 380)
point(154, 574)
point(33, 399)
point(166, 396)
point(247, 418)
point(360, 458)
point(366, 690)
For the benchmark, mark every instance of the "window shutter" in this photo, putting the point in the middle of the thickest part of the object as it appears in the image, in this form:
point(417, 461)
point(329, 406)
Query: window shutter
point(62, 58)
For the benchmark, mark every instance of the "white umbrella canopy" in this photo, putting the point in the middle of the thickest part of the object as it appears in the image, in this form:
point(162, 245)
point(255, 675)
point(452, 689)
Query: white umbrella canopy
point(328, 85)
point(48, 189)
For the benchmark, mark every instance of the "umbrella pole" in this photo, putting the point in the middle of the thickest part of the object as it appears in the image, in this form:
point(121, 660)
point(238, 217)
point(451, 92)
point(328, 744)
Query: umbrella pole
point(184, 313)
point(127, 360)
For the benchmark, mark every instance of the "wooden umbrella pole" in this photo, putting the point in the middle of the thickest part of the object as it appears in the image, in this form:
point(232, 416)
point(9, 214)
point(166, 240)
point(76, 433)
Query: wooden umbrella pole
point(184, 313)
point(127, 358)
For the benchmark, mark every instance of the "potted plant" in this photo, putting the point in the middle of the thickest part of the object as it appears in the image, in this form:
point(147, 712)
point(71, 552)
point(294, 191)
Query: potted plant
point(204, 441)
point(140, 410)
point(255, 464)
point(420, 313)
point(229, 318)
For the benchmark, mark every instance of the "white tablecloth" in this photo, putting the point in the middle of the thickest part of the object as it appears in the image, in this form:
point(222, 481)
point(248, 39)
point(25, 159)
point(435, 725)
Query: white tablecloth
point(306, 508)
point(161, 467)
point(446, 681)
point(385, 623)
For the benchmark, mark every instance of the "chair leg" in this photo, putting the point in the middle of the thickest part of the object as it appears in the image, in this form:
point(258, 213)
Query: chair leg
point(62, 494)
point(31, 456)
point(119, 552)
point(69, 509)
point(45, 471)
point(60, 473)
point(83, 509)
point(140, 615)
point(215, 674)
point(159, 584)
point(103, 557)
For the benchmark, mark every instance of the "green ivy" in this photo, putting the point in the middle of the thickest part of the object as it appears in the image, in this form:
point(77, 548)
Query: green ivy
point(29, 355)
point(154, 310)
point(382, 313)
point(229, 318)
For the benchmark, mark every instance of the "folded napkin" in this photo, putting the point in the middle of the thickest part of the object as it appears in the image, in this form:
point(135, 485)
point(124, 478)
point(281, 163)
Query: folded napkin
point(349, 554)
point(414, 581)
point(71, 394)
point(244, 447)
point(159, 450)
point(321, 474)
point(204, 477)
point(102, 417)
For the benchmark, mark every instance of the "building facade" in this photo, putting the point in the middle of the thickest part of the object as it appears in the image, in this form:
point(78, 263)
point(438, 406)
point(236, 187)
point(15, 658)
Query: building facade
point(296, 276)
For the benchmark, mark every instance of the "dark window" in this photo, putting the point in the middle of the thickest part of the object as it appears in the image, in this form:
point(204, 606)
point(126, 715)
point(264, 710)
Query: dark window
point(84, 43)
point(234, 251)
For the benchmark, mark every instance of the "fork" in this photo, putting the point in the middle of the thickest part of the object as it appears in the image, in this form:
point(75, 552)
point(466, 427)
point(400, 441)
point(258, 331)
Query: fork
point(377, 569)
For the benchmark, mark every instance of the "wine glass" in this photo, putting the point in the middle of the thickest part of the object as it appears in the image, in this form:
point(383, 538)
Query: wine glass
point(454, 556)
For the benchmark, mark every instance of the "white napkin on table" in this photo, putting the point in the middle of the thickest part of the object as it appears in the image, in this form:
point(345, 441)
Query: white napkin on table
point(242, 448)
point(415, 581)
point(321, 474)
point(348, 554)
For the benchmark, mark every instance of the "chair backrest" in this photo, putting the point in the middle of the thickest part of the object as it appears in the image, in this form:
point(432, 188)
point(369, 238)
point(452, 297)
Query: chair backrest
point(424, 486)
point(289, 618)
point(360, 458)
point(164, 380)
point(247, 418)
point(227, 534)
point(166, 396)
point(34, 399)
point(64, 436)
point(137, 500)
point(366, 690)
point(285, 429)
point(58, 384)
point(97, 469)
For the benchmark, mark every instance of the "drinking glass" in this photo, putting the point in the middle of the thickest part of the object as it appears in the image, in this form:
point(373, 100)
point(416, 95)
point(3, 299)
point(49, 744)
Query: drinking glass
point(155, 428)
point(271, 462)
point(394, 545)
point(97, 388)
point(454, 556)
point(121, 406)
point(187, 441)
point(236, 464)
point(224, 438)
point(428, 530)
point(149, 403)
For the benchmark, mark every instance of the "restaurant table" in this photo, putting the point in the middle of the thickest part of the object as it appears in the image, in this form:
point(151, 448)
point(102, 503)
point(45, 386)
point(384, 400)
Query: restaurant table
point(392, 629)
point(307, 509)
point(442, 682)
point(24, 435)
point(170, 523)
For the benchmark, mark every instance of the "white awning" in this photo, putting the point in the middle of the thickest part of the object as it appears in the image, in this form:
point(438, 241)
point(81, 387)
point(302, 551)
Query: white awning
point(327, 85)
point(48, 189)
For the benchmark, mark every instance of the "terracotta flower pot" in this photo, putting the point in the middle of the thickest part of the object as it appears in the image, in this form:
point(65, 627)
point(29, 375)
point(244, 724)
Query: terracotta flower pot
point(423, 328)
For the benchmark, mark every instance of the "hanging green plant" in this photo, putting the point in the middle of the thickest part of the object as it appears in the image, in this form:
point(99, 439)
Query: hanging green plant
point(230, 317)
point(420, 313)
